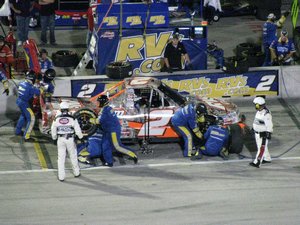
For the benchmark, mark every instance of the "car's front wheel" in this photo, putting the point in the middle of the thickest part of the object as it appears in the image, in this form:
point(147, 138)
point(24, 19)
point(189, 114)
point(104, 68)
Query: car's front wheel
point(83, 116)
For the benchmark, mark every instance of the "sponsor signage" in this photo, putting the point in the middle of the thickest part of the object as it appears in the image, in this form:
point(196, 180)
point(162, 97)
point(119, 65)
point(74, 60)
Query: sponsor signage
point(216, 85)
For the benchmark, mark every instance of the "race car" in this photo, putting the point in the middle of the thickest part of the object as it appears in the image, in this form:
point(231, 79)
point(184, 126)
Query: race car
point(144, 105)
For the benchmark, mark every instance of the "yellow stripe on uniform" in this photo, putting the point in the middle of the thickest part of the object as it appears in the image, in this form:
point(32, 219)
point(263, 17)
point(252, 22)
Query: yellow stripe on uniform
point(190, 139)
point(120, 148)
point(40, 154)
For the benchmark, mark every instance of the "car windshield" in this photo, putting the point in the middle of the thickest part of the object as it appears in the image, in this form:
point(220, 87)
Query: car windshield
point(172, 94)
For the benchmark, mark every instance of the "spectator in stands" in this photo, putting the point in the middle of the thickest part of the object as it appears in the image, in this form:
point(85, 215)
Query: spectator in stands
point(22, 10)
point(282, 50)
point(174, 55)
point(6, 56)
point(47, 15)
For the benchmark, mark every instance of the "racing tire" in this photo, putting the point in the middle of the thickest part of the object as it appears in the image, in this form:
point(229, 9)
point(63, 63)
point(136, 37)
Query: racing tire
point(119, 70)
point(65, 58)
point(216, 18)
point(254, 59)
point(251, 48)
point(235, 65)
point(83, 117)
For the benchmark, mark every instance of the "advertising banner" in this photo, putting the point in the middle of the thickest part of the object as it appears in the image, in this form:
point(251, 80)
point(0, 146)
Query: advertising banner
point(144, 49)
point(216, 85)
point(133, 15)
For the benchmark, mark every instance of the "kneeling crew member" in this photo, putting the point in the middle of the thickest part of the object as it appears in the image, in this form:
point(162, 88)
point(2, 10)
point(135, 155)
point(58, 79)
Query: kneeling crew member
point(112, 128)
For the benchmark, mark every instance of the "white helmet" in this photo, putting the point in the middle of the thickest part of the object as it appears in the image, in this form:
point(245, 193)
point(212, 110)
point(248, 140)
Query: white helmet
point(259, 100)
point(64, 105)
point(271, 16)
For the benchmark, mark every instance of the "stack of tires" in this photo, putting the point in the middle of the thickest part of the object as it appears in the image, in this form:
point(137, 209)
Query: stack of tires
point(252, 52)
point(119, 70)
point(65, 58)
point(265, 7)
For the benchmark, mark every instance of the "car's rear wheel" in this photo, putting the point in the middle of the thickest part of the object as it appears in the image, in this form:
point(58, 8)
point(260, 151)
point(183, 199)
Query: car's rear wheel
point(83, 116)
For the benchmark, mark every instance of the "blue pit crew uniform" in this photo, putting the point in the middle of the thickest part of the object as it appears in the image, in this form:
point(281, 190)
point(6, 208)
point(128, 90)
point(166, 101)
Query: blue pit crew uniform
point(95, 148)
point(282, 49)
point(269, 35)
point(45, 65)
point(184, 122)
point(112, 132)
point(216, 139)
point(26, 93)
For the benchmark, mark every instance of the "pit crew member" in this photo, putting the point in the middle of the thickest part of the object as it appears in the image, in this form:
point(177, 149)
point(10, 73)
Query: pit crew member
point(185, 122)
point(216, 140)
point(63, 129)
point(48, 84)
point(45, 61)
point(26, 92)
point(93, 148)
point(237, 135)
point(112, 128)
point(269, 34)
point(4, 81)
point(282, 50)
point(263, 127)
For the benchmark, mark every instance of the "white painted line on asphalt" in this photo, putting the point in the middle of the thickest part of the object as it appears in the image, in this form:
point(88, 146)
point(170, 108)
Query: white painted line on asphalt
point(190, 163)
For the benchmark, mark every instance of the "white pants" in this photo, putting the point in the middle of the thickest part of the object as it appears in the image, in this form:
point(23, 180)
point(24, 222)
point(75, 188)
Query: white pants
point(262, 154)
point(63, 146)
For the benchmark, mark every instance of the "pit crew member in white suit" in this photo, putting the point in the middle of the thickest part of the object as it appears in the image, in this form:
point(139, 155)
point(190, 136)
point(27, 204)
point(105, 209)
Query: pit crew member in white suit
point(263, 127)
point(64, 128)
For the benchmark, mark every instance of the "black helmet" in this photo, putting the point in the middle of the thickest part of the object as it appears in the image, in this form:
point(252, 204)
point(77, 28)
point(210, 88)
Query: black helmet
point(49, 75)
point(30, 75)
point(103, 100)
point(201, 109)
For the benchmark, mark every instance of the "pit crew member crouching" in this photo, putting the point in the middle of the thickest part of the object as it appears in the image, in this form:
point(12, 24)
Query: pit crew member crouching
point(93, 148)
point(185, 122)
point(112, 128)
point(216, 140)
point(63, 129)
point(48, 84)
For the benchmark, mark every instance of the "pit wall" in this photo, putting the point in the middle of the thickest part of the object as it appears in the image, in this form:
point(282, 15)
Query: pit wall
point(279, 82)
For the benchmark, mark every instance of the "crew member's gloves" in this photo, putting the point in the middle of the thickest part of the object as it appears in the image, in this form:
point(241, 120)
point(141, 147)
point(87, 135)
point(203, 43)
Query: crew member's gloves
point(170, 70)
point(6, 91)
point(286, 13)
point(189, 66)
point(94, 120)
point(268, 135)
